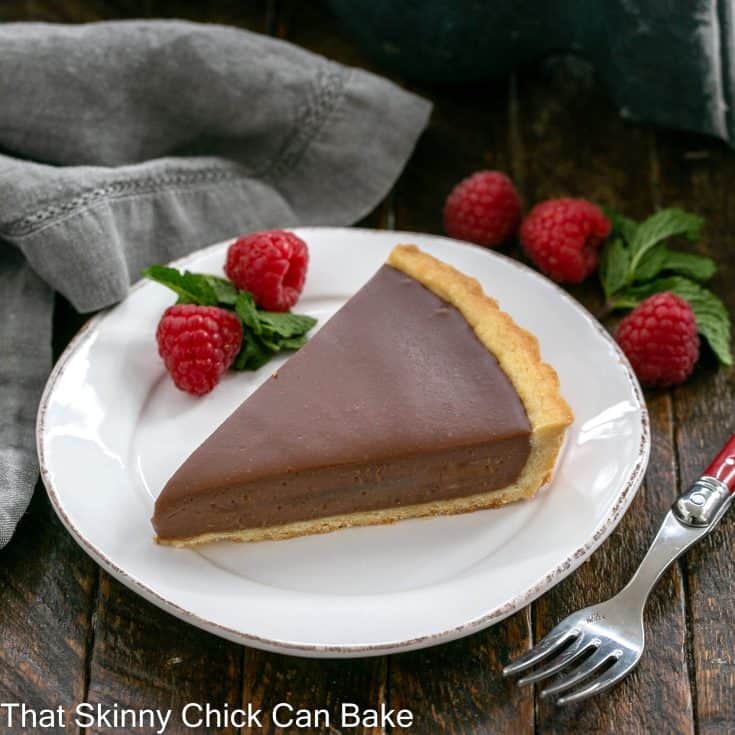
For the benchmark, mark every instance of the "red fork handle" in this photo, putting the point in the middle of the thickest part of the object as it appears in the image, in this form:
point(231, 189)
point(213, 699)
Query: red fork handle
point(705, 502)
point(723, 465)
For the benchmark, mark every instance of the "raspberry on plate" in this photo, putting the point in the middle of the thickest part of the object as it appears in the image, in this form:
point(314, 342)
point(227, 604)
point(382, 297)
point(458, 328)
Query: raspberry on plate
point(484, 208)
point(563, 237)
point(198, 344)
point(660, 339)
point(271, 265)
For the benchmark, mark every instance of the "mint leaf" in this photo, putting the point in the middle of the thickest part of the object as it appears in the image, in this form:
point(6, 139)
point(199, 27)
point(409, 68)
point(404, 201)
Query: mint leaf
point(614, 263)
point(698, 267)
point(622, 225)
point(285, 324)
point(257, 350)
point(274, 345)
point(245, 309)
point(253, 354)
point(634, 295)
point(658, 227)
point(640, 253)
point(267, 332)
point(651, 264)
point(660, 259)
point(192, 288)
point(713, 321)
point(293, 343)
point(225, 291)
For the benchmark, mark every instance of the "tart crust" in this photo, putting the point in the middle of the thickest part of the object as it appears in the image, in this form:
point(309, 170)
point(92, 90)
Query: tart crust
point(517, 352)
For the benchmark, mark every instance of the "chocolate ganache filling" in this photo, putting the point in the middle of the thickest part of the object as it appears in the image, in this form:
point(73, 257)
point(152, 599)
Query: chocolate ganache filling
point(393, 402)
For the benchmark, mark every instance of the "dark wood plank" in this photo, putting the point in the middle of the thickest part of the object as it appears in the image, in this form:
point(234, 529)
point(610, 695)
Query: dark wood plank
point(457, 687)
point(47, 590)
point(571, 142)
point(312, 684)
point(698, 174)
point(47, 587)
point(143, 657)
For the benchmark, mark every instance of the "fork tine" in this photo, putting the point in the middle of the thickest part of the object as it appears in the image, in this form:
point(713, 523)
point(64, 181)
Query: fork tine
point(587, 667)
point(556, 637)
point(609, 677)
point(581, 644)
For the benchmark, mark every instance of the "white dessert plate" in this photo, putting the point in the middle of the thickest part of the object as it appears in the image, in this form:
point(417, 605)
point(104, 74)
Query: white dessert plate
point(112, 428)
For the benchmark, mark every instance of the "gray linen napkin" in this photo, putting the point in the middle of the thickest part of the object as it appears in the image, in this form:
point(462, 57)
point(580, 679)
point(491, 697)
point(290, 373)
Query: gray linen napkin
point(128, 143)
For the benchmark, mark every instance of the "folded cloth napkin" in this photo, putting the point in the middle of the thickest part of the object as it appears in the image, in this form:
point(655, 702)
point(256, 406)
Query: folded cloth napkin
point(128, 143)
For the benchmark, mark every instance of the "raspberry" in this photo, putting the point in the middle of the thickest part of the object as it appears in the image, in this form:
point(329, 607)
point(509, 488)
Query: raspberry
point(484, 208)
point(660, 339)
point(271, 265)
point(563, 236)
point(198, 344)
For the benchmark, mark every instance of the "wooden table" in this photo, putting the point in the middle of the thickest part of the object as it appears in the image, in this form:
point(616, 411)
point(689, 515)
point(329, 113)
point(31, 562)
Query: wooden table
point(70, 633)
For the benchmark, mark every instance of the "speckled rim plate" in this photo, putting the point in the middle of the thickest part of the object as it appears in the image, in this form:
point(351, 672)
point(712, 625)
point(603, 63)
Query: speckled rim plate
point(111, 429)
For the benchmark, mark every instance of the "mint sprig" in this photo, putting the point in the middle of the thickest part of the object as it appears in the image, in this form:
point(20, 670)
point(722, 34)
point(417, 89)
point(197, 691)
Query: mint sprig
point(637, 263)
point(247, 311)
point(266, 333)
point(284, 324)
point(191, 288)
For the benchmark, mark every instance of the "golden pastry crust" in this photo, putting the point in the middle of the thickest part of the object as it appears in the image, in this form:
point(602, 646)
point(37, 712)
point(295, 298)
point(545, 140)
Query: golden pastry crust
point(517, 352)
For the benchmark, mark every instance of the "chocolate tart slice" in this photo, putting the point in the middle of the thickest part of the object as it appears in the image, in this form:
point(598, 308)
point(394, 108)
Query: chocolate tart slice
point(418, 397)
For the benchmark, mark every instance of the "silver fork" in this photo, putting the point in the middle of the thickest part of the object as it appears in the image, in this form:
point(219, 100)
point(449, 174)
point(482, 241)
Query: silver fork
point(594, 648)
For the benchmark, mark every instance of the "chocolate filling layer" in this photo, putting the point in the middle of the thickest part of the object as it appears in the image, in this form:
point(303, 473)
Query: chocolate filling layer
point(393, 402)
